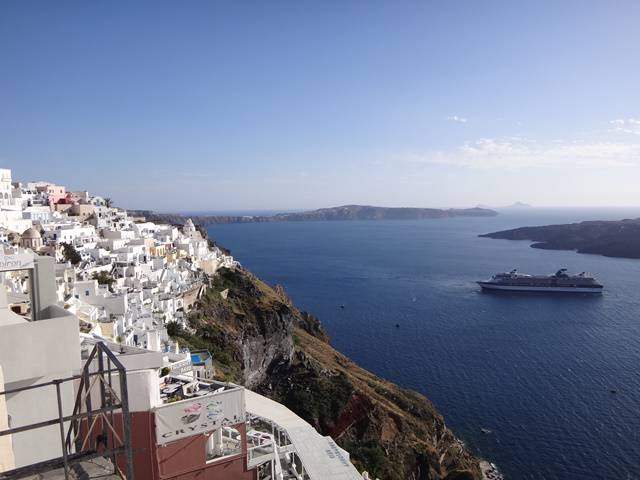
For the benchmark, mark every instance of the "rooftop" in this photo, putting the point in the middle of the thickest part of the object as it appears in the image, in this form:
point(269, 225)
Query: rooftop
point(176, 388)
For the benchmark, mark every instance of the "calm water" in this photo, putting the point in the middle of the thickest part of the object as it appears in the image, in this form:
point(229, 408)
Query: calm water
point(536, 370)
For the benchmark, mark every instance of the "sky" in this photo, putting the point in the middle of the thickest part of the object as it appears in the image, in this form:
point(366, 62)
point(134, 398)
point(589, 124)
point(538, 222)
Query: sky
point(292, 105)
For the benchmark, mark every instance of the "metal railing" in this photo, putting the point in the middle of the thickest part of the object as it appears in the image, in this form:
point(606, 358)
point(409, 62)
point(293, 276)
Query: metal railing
point(89, 427)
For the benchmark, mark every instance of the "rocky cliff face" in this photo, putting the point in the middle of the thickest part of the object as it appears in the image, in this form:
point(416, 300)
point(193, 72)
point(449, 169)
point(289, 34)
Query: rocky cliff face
point(261, 340)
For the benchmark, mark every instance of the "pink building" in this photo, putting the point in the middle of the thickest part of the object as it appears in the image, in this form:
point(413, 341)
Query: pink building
point(55, 193)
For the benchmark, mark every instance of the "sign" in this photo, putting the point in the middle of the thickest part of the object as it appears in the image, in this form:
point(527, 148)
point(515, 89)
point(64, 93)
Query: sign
point(182, 367)
point(20, 261)
point(199, 415)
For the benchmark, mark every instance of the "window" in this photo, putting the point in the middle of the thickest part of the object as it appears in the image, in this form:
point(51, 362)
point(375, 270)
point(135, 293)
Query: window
point(86, 293)
point(223, 442)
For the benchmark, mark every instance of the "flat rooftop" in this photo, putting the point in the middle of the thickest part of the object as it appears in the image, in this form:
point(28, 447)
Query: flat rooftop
point(183, 388)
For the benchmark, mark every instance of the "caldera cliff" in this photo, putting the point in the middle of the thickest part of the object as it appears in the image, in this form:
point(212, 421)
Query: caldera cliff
point(342, 213)
point(260, 339)
point(613, 238)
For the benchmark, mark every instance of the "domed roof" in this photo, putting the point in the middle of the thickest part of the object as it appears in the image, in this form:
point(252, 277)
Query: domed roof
point(31, 233)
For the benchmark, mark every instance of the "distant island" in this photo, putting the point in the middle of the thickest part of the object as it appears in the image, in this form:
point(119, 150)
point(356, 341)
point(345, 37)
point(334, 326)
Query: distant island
point(345, 212)
point(519, 205)
point(514, 205)
point(619, 238)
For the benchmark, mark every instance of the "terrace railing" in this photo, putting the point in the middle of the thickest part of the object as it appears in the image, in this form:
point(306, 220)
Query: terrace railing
point(99, 425)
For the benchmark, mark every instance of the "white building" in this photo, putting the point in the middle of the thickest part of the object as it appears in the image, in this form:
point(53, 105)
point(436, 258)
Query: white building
point(38, 213)
point(118, 234)
point(33, 352)
point(70, 232)
point(145, 229)
point(11, 219)
point(6, 188)
point(90, 292)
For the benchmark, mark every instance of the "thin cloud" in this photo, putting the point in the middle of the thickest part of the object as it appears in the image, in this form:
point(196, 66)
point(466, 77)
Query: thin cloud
point(628, 125)
point(515, 153)
point(455, 118)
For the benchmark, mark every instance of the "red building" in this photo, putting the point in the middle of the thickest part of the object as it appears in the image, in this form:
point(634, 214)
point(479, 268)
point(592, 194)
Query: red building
point(198, 437)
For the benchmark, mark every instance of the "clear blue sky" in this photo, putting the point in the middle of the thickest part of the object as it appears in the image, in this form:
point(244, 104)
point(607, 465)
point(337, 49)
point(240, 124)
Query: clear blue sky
point(284, 105)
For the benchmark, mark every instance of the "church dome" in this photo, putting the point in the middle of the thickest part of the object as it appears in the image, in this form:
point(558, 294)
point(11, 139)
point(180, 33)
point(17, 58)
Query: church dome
point(31, 233)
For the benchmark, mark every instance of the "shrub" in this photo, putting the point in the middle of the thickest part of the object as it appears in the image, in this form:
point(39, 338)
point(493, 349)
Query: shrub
point(70, 254)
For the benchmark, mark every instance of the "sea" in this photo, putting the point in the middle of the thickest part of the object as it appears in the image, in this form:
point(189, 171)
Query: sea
point(545, 386)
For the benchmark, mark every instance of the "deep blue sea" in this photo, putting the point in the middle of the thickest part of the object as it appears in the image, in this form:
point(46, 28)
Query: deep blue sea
point(536, 370)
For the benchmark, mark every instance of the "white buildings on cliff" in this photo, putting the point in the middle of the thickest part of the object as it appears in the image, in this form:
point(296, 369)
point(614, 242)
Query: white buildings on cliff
point(86, 364)
point(118, 274)
point(123, 279)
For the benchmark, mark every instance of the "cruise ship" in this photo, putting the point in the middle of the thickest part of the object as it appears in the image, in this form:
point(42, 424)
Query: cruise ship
point(561, 281)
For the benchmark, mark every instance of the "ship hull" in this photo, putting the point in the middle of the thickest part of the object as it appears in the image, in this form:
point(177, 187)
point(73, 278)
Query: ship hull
point(526, 288)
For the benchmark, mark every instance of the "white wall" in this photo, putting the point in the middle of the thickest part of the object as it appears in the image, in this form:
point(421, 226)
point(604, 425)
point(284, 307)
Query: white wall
point(33, 406)
point(12, 220)
point(114, 304)
point(142, 386)
point(32, 350)
point(7, 459)
point(32, 353)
